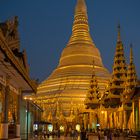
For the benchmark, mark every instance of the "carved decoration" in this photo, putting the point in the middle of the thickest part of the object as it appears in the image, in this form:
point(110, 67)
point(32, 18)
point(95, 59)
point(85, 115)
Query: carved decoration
point(12, 32)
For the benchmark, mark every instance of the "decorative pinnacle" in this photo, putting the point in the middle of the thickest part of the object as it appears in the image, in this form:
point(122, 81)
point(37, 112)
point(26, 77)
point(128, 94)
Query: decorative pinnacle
point(119, 33)
point(131, 53)
point(81, 7)
point(80, 29)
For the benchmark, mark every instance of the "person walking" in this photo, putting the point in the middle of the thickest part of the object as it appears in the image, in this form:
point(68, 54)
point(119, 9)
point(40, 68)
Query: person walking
point(83, 134)
point(72, 134)
point(99, 135)
point(110, 135)
point(105, 134)
point(58, 133)
point(76, 135)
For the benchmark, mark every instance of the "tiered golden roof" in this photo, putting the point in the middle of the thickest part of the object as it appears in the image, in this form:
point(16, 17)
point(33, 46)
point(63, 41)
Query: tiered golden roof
point(117, 83)
point(131, 81)
point(71, 77)
point(92, 97)
point(119, 68)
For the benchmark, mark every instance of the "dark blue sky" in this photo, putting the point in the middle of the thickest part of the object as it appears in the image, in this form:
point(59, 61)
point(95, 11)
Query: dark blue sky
point(45, 28)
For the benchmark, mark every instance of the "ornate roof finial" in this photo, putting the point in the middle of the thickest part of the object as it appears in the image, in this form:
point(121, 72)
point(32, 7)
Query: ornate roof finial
point(118, 79)
point(131, 53)
point(81, 7)
point(131, 80)
point(119, 33)
point(92, 98)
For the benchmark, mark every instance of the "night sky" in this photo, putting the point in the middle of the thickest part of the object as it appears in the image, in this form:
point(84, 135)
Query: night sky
point(45, 28)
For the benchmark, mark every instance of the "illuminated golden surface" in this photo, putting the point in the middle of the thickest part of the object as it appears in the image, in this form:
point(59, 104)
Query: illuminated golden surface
point(69, 82)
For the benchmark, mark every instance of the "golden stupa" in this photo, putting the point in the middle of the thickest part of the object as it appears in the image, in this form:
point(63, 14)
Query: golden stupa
point(69, 82)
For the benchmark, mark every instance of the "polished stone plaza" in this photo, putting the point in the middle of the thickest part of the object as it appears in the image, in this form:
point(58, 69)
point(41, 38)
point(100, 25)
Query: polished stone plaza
point(91, 138)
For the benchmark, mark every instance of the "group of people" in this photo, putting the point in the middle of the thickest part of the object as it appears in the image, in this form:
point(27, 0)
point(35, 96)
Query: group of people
point(84, 135)
point(46, 134)
point(74, 134)
point(107, 135)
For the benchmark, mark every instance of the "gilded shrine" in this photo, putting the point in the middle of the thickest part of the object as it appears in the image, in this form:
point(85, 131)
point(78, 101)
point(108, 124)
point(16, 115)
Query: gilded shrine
point(65, 89)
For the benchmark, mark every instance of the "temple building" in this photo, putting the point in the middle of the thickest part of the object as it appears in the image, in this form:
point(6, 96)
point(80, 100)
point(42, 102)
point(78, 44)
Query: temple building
point(15, 82)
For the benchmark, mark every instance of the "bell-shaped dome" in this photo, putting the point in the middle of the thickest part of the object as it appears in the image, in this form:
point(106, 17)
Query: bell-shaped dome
point(70, 80)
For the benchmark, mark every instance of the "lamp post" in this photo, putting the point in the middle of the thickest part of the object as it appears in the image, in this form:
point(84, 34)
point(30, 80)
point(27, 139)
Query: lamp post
point(27, 116)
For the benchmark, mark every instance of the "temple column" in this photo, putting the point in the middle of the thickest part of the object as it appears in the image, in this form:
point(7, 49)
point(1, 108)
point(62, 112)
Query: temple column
point(4, 122)
point(136, 112)
point(125, 119)
point(111, 119)
point(90, 120)
point(18, 116)
point(108, 120)
point(131, 121)
point(133, 117)
point(139, 113)
point(85, 122)
point(121, 119)
point(115, 119)
point(95, 120)
point(118, 122)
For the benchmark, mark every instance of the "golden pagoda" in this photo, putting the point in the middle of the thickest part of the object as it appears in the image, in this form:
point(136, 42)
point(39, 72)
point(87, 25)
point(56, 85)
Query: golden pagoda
point(119, 68)
point(69, 82)
point(92, 99)
point(131, 81)
point(117, 82)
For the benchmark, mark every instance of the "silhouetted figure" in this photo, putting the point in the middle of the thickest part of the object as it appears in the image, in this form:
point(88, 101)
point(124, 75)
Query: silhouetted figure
point(83, 134)
point(109, 136)
point(58, 133)
point(99, 135)
point(35, 133)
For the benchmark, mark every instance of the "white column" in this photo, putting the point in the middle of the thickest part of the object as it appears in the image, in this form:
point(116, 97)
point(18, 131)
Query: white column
point(90, 120)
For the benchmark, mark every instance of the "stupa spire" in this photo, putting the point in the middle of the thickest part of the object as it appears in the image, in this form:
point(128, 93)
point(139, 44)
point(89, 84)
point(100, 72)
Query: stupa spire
point(118, 78)
point(80, 29)
point(131, 53)
point(81, 7)
point(131, 81)
point(92, 97)
point(131, 73)
point(119, 33)
point(119, 68)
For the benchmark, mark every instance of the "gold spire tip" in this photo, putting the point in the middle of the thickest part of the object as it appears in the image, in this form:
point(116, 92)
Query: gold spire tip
point(131, 53)
point(81, 7)
point(119, 33)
